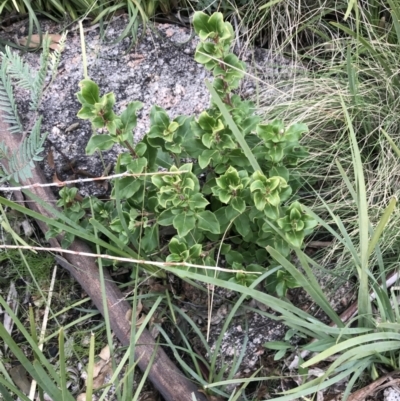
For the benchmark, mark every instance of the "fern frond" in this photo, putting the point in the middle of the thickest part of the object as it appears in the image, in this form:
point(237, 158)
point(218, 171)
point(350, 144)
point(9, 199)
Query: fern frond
point(55, 57)
point(21, 161)
point(8, 105)
point(17, 69)
point(38, 81)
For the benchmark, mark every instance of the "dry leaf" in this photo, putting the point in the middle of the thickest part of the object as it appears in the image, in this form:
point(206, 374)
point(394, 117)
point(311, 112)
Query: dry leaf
point(139, 308)
point(105, 372)
point(105, 353)
point(35, 41)
point(128, 315)
point(98, 366)
point(101, 370)
point(140, 321)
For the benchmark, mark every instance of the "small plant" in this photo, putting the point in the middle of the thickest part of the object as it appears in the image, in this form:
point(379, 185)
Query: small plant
point(202, 190)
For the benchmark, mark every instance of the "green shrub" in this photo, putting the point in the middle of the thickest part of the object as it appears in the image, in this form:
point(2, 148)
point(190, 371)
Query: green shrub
point(191, 178)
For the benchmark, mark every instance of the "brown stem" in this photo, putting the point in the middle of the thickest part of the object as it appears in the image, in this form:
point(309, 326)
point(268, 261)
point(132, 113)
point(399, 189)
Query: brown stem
point(130, 148)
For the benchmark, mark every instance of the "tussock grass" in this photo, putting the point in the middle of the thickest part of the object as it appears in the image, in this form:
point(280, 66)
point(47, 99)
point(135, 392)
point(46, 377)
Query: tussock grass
point(359, 64)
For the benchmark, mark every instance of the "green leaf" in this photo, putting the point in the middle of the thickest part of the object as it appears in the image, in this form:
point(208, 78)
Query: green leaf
point(155, 134)
point(98, 121)
point(67, 240)
point(87, 112)
point(150, 239)
point(177, 246)
point(195, 251)
point(140, 148)
point(238, 135)
point(166, 218)
point(231, 213)
point(127, 187)
point(197, 201)
point(226, 142)
point(238, 204)
point(89, 92)
point(295, 131)
point(208, 123)
point(112, 126)
point(101, 142)
point(242, 224)
point(279, 355)
point(233, 257)
point(107, 103)
point(173, 126)
point(295, 238)
point(259, 200)
point(138, 165)
point(159, 117)
point(202, 26)
point(128, 117)
point(223, 195)
point(184, 222)
point(206, 157)
point(207, 221)
point(280, 171)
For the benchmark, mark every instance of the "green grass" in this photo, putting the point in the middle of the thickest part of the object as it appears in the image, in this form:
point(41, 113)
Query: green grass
point(360, 70)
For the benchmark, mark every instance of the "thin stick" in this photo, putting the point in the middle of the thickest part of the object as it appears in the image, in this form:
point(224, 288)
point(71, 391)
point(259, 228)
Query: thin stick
point(44, 326)
point(83, 47)
point(79, 180)
point(120, 259)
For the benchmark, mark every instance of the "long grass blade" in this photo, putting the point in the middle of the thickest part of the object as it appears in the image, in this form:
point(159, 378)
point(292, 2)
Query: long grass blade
point(364, 305)
point(90, 369)
point(309, 283)
point(395, 12)
point(391, 142)
point(353, 342)
point(238, 135)
point(381, 225)
point(63, 370)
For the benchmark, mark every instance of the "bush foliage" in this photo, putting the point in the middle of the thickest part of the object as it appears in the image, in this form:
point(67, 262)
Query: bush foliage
point(213, 190)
